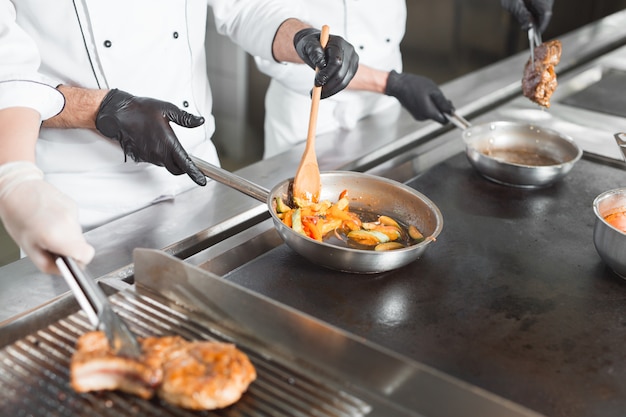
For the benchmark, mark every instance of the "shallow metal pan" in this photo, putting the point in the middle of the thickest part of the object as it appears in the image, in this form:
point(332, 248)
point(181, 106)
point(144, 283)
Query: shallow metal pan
point(366, 192)
point(518, 154)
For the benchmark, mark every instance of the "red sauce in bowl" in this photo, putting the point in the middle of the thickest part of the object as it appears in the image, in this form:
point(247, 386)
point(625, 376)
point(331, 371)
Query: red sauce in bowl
point(617, 220)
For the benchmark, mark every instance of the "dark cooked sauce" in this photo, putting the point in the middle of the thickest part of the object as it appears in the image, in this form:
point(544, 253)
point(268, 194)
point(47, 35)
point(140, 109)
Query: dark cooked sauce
point(520, 157)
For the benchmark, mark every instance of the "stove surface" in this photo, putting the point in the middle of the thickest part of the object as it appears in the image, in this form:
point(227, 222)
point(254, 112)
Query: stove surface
point(512, 297)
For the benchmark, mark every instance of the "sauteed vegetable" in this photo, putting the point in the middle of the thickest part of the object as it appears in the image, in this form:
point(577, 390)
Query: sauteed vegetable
point(336, 223)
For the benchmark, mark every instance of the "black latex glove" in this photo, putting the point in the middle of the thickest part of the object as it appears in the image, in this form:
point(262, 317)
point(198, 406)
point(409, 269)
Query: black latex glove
point(527, 12)
point(142, 127)
point(420, 96)
point(337, 62)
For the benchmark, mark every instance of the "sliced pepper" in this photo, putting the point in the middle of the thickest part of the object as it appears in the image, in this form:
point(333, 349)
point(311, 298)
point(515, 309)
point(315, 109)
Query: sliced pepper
point(288, 218)
point(335, 212)
point(343, 204)
point(311, 227)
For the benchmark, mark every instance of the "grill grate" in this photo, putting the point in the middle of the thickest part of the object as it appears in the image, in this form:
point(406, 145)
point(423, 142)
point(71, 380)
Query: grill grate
point(34, 374)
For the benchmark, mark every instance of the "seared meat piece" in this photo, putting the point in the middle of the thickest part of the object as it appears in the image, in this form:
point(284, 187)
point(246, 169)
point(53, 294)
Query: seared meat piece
point(94, 367)
point(539, 81)
point(199, 375)
point(205, 375)
point(156, 349)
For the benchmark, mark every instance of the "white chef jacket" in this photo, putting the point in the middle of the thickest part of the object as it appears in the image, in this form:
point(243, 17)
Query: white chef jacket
point(152, 48)
point(374, 28)
point(20, 84)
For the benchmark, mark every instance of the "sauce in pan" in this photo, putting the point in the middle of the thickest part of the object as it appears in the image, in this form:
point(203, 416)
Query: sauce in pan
point(521, 157)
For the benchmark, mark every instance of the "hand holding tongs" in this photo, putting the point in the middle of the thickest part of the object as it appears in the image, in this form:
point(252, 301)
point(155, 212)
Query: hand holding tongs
point(534, 39)
point(95, 303)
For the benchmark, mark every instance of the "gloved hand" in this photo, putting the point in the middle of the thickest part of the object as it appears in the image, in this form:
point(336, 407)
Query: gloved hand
point(527, 12)
point(337, 63)
point(142, 127)
point(420, 96)
point(39, 218)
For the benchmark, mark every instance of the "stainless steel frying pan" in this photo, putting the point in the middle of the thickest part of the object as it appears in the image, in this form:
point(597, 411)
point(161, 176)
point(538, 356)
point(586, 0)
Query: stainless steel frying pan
point(366, 192)
point(518, 154)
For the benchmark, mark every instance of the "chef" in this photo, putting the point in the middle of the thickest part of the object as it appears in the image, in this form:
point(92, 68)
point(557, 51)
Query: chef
point(376, 32)
point(134, 79)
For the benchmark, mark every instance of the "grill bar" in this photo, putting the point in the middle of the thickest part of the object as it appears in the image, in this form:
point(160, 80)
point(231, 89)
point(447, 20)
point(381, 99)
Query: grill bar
point(34, 373)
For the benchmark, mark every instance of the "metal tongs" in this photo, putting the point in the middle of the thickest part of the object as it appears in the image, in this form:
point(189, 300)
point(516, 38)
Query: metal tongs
point(95, 303)
point(458, 120)
point(534, 39)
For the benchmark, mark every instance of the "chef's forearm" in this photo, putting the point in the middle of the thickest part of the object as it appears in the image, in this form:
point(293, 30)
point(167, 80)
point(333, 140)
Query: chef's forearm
point(81, 107)
point(283, 48)
point(369, 79)
point(19, 129)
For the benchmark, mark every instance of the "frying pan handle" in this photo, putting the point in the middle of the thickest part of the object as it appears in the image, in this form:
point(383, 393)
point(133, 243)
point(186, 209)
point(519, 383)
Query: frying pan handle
point(231, 180)
point(620, 138)
point(458, 121)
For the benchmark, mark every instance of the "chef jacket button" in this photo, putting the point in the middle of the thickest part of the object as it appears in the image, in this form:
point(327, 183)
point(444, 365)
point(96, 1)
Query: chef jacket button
point(361, 47)
point(185, 103)
point(387, 40)
point(107, 44)
point(175, 35)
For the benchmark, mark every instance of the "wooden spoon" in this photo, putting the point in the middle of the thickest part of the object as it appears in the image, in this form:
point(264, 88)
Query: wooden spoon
point(307, 184)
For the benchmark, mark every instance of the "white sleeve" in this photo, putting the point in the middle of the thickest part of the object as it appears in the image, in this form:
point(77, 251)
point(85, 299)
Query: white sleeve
point(252, 24)
point(297, 77)
point(47, 100)
point(20, 83)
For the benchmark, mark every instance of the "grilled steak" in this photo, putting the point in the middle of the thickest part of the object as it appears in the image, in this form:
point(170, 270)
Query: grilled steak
point(199, 375)
point(94, 367)
point(205, 375)
point(539, 81)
